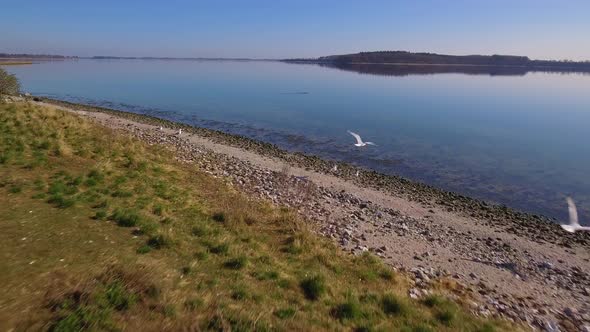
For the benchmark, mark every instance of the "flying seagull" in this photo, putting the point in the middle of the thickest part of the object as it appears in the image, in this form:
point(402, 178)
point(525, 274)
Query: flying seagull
point(359, 140)
point(574, 225)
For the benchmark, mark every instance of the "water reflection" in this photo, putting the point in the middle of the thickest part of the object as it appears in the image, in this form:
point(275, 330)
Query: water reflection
point(407, 70)
point(504, 134)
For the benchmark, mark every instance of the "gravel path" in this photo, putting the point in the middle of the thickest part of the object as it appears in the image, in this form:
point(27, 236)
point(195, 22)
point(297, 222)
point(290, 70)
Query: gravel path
point(513, 265)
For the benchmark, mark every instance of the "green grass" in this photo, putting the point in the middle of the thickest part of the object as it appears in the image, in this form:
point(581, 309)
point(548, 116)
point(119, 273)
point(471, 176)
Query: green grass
point(313, 287)
point(175, 248)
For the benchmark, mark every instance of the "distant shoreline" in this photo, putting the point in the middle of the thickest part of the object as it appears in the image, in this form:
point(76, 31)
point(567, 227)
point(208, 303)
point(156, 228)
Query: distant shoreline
point(15, 63)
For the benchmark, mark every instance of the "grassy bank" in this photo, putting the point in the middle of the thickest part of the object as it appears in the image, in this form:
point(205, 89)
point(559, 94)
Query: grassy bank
point(105, 232)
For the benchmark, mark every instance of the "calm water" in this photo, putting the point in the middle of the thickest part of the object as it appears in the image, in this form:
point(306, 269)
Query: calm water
point(523, 141)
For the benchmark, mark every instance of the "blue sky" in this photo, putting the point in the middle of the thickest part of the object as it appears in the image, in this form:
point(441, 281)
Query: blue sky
point(556, 29)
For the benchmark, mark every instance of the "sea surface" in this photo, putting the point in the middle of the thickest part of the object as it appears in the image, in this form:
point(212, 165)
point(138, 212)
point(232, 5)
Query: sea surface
point(511, 137)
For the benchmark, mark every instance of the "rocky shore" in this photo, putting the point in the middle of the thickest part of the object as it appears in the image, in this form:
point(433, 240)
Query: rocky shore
point(507, 264)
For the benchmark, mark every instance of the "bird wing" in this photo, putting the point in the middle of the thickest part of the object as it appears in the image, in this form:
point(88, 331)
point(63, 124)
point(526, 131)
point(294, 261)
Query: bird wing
point(371, 143)
point(573, 212)
point(569, 228)
point(357, 136)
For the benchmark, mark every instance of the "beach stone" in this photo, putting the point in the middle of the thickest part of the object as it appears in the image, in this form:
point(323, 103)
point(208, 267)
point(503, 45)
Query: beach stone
point(546, 265)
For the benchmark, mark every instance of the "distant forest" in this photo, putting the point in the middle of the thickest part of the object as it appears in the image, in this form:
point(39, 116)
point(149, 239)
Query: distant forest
point(409, 58)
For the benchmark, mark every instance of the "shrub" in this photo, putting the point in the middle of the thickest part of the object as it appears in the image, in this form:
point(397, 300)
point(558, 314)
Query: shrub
point(90, 182)
point(446, 316)
point(294, 246)
point(221, 248)
point(201, 255)
point(313, 287)
point(125, 218)
point(144, 249)
point(9, 84)
point(169, 310)
point(266, 275)
point(236, 263)
point(158, 209)
point(239, 294)
point(44, 145)
point(159, 241)
point(432, 301)
point(386, 274)
point(118, 297)
point(59, 201)
point(284, 283)
point(219, 217)
point(39, 196)
point(122, 193)
point(57, 187)
point(391, 305)
point(186, 270)
point(200, 230)
point(285, 313)
point(15, 189)
point(75, 182)
point(96, 174)
point(80, 319)
point(193, 304)
point(4, 156)
point(148, 227)
point(100, 215)
point(347, 310)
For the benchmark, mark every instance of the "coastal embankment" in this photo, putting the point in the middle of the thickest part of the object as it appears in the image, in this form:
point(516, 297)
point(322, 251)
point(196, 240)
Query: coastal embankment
point(515, 265)
point(103, 229)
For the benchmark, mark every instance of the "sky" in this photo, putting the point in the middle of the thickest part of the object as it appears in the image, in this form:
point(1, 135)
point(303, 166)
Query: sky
point(540, 29)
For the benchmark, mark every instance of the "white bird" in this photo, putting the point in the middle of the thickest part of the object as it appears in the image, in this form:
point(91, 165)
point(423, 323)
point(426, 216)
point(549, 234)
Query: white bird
point(359, 140)
point(161, 129)
point(357, 174)
point(574, 225)
point(335, 168)
point(179, 131)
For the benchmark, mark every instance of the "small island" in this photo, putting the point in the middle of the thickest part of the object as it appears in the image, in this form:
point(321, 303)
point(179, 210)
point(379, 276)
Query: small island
point(401, 63)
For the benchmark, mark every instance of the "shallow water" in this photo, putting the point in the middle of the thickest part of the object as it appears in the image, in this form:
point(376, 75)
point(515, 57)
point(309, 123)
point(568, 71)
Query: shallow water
point(522, 139)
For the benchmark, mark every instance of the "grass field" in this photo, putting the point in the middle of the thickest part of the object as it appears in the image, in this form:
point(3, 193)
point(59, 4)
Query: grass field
point(100, 231)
